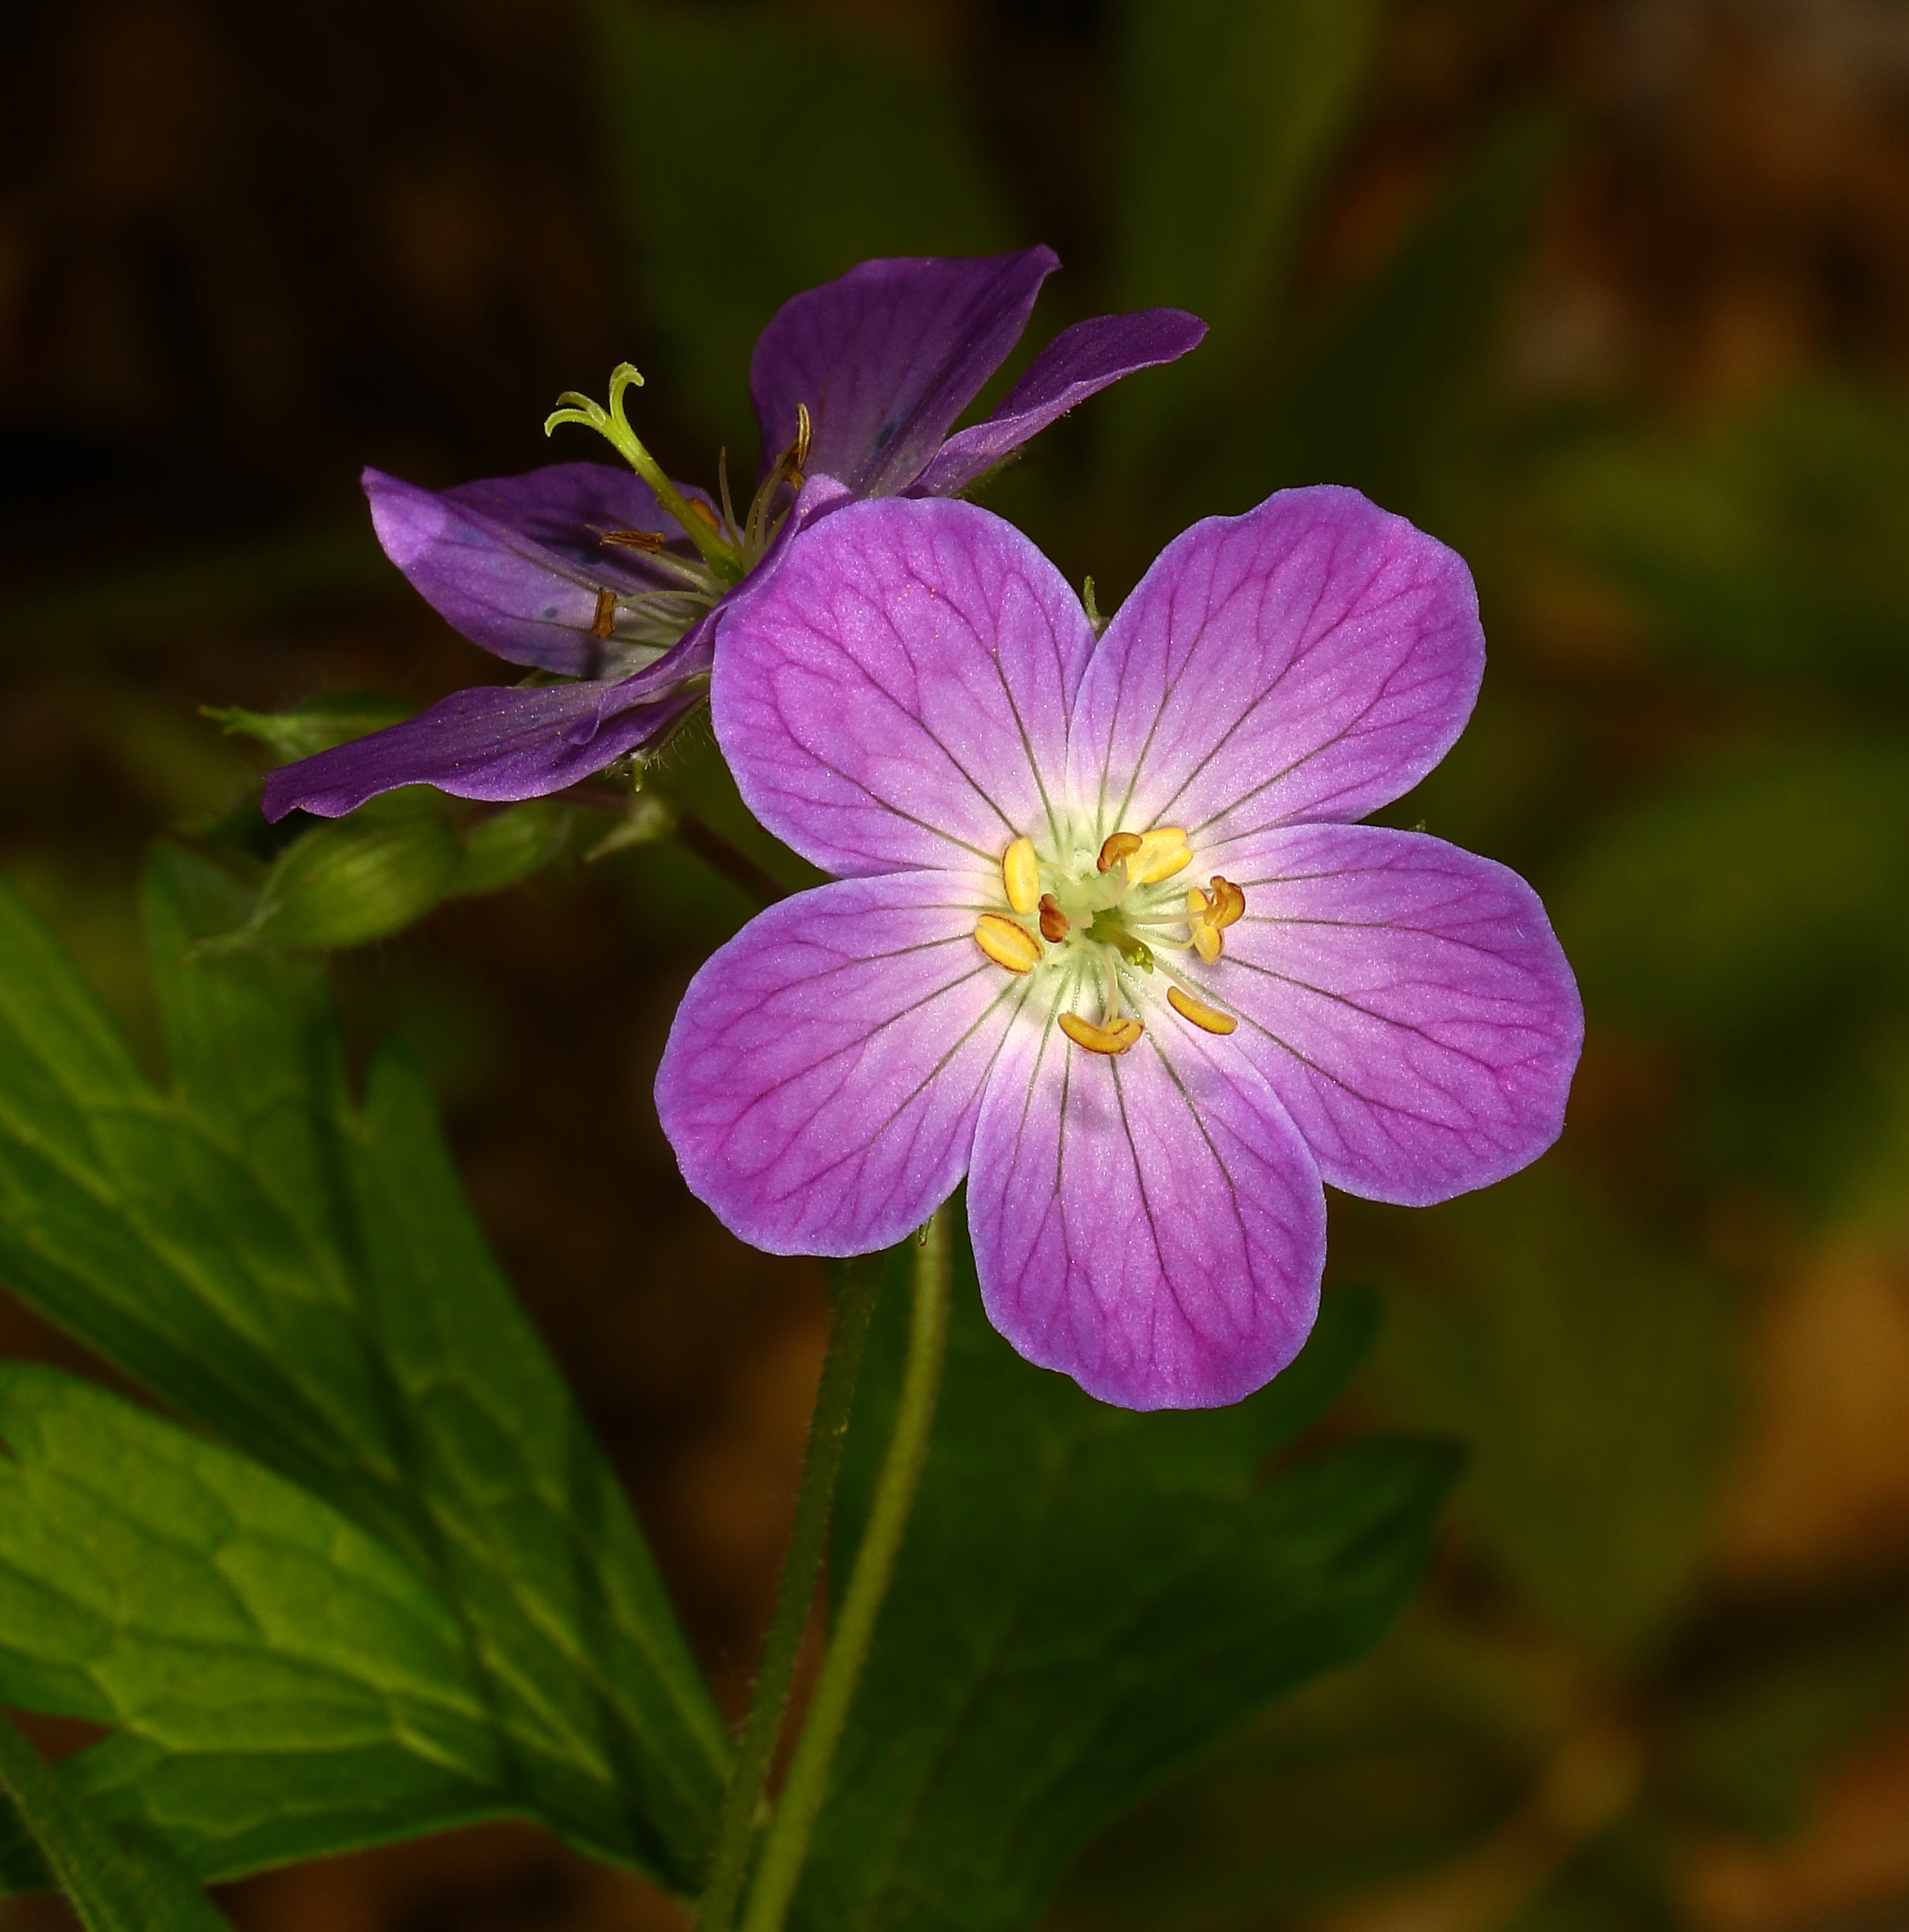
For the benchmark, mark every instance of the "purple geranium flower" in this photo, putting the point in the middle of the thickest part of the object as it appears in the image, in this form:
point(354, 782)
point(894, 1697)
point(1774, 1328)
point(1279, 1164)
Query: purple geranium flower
point(574, 571)
point(1104, 938)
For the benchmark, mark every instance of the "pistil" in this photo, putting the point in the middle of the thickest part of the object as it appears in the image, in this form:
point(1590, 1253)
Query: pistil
point(1060, 913)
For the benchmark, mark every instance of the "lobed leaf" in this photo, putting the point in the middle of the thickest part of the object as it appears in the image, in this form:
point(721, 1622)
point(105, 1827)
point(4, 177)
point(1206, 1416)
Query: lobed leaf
point(278, 1682)
point(1087, 1599)
point(303, 1277)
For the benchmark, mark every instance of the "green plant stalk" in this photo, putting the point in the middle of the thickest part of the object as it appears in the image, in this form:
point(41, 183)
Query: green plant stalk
point(788, 1843)
point(109, 1889)
point(822, 1462)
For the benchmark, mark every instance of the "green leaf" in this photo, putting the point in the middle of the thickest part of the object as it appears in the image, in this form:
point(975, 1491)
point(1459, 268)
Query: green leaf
point(303, 1276)
point(1087, 1601)
point(1367, 1777)
point(1231, 111)
point(316, 725)
point(1775, 543)
point(1591, 1373)
point(759, 151)
point(280, 1684)
point(112, 1886)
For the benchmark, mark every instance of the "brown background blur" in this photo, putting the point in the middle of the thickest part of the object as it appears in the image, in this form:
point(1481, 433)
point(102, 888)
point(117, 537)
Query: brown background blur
point(245, 249)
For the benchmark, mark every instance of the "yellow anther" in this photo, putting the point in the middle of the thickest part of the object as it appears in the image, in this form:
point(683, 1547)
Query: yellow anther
point(1203, 1016)
point(703, 514)
point(1007, 942)
point(1117, 847)
point(1020, 876)
point(1163, 852)
point(802, 434)
point(1054, 922)
point(1202, 926)
point(604, 622)
point(1116, 1038)
point(1229, 901)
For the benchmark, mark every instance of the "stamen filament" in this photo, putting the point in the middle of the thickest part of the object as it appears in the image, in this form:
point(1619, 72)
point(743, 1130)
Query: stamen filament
point(613, 426)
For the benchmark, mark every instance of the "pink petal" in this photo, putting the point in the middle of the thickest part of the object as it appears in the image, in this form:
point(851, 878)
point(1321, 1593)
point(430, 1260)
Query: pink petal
point(1407, 1001)
point(1311, 659)
point(1079, 362)
point(887, 356)
point(825, 1068)
point(1152, 1225)
point(897, 697)
point(515, 563)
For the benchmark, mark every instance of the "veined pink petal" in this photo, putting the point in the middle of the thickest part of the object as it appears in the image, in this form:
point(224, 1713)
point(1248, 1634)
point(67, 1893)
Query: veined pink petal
point(1310, 660)
point(887, 356)
point(1079, 362)
point(1150, 1224)
point(500, 742)
point(1407, 1001)
point(897, 697)
point(515, 562)
point(825, 1068)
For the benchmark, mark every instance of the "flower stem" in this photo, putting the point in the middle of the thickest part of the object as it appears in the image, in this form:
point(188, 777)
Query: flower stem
point(822, 1462)
point(729, 861)
point(808, 1780)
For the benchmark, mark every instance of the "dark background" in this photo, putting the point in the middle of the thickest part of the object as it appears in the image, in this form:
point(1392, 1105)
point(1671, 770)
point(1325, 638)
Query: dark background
point(1613, 296)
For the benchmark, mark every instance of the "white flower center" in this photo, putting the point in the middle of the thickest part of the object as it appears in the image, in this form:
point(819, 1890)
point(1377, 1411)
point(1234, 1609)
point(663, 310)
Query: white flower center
point(1102, 917)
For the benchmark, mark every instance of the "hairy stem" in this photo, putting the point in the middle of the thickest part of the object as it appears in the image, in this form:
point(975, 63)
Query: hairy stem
point(729, 861)
point(814, 1497)
point(788, 1842)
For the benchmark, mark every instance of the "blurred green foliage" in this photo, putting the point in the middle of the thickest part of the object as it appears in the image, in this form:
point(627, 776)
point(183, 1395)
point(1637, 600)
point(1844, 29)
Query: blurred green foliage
point(1693, 738)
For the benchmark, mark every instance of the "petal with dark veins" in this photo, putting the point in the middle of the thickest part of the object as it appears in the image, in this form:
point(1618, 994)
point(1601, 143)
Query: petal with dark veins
point(897, 697)
point(1149, 1224)
point(1310, 660)
point(1407, 1001)
point(887, 357)
point(825, 1068)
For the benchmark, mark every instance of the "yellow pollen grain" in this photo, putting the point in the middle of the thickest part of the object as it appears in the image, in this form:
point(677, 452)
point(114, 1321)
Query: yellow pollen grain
point(1117, 1039)
point(1054, 922)
point(1203, 924)
point(1007, 942)
point(1117, 847)
point(1020, 876)
point(1163, 852)
point(1203, 1016)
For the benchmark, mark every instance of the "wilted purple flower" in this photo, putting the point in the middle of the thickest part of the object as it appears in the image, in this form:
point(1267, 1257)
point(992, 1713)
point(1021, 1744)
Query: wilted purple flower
point(574, 569)
point(1104, 937)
